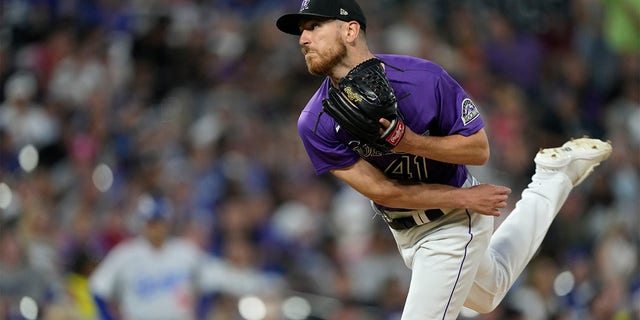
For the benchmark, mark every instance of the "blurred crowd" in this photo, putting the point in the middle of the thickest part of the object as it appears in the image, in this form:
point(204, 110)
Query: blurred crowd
point(196, 101)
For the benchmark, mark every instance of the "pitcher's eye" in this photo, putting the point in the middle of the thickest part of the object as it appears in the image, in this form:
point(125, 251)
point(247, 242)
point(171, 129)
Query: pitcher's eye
point(310, 26)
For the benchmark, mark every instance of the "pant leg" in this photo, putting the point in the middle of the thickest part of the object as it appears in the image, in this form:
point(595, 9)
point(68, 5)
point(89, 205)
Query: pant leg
point(517, 239)
point(443, 263)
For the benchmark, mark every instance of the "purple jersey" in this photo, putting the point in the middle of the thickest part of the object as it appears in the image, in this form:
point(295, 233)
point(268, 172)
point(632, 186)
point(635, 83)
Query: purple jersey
point(431, 103)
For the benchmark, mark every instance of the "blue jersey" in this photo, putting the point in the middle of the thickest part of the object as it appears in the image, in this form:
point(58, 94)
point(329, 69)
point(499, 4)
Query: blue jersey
point(430, 101)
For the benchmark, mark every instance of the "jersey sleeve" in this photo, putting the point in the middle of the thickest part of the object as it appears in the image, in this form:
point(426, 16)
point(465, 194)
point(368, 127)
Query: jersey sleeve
point(104, 279)
point(321, 143)
point(458, 113)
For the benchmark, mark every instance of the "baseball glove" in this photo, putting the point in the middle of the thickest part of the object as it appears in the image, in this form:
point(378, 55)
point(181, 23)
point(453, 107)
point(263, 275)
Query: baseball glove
point(365, 96)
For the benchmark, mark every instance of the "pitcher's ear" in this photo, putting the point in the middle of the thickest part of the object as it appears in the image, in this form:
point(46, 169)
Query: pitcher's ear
point(353, 30)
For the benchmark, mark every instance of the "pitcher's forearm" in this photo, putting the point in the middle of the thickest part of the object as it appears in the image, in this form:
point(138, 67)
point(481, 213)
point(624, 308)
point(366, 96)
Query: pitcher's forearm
point(418, 196)
point(458, 149)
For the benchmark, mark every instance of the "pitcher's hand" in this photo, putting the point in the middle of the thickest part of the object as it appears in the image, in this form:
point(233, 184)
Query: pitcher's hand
point(487, 199)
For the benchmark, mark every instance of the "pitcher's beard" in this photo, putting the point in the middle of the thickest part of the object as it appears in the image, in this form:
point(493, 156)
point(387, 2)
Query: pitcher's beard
point(322, 65)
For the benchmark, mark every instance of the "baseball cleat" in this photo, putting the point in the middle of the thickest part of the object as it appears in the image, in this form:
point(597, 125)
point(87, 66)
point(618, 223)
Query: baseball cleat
point(576, 158)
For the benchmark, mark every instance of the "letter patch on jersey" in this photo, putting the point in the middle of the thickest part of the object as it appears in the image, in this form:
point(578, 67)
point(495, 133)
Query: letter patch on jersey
point(469, 111)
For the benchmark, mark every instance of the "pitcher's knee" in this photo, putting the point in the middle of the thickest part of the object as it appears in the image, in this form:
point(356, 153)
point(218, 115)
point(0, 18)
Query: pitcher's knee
point(484, 308)
point(483, 301)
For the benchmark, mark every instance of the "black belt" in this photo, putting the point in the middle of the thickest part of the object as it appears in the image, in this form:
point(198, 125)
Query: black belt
point(408, 222)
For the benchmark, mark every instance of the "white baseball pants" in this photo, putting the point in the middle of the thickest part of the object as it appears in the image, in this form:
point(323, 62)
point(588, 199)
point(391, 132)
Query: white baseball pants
point(459, 260)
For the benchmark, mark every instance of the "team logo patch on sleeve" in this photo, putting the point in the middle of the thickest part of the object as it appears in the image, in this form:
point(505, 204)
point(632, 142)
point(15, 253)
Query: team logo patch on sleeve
point(469, 111)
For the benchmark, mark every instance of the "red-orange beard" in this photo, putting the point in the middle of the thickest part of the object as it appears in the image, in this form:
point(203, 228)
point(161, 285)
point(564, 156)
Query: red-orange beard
point(322, 64)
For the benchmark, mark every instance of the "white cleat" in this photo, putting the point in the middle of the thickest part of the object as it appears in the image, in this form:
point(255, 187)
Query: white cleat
point(576, 158)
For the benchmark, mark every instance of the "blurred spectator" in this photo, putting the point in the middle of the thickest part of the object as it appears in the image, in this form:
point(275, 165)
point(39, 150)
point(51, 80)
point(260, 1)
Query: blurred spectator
point(536, 297)
point(512, 55)
point(22, 117)
point(20, 281)
point(82, 265)
point(621, 25)
point(152, 276)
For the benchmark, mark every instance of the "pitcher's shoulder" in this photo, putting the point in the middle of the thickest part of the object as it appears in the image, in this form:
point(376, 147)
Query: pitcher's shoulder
point(409, 63)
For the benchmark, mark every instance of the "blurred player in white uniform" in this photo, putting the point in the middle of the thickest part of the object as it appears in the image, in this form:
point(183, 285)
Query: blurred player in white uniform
point(150, 277)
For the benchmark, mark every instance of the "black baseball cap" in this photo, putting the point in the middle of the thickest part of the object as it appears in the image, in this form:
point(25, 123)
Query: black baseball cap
point(345, 10)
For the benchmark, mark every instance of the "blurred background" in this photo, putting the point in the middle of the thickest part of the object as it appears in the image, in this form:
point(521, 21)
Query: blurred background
point(103, 101)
